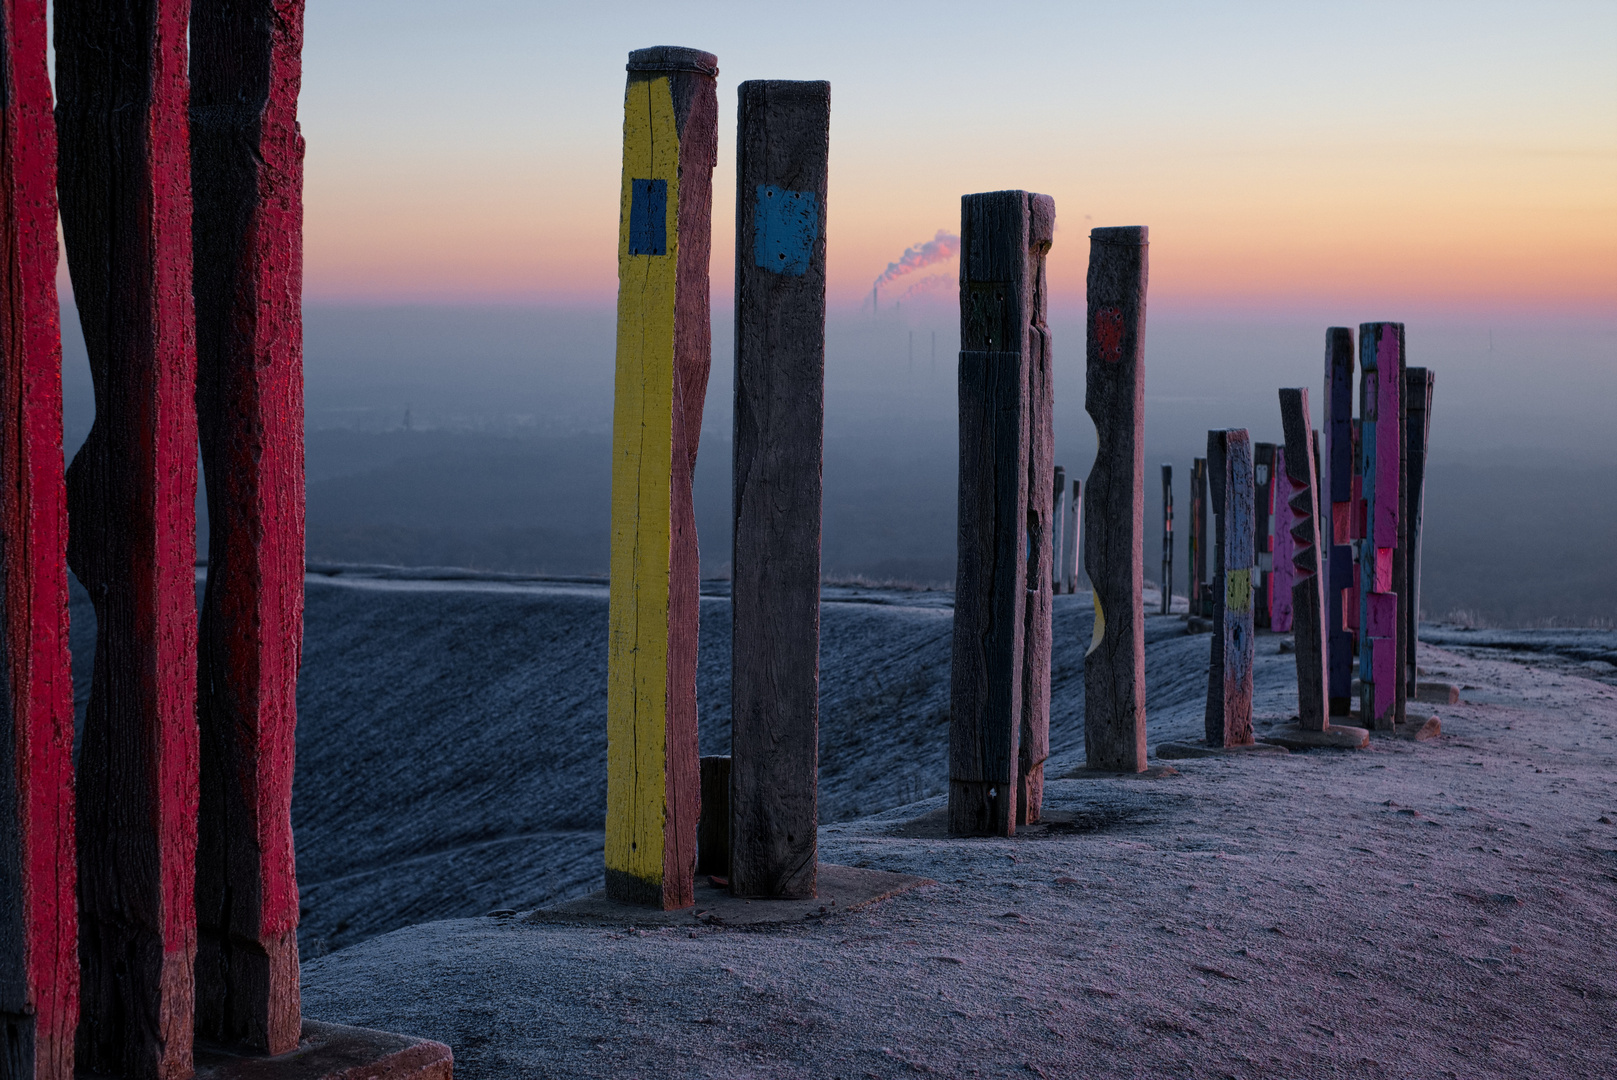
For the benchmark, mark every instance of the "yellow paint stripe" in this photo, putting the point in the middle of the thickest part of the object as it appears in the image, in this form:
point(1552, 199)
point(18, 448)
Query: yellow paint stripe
point(1100, 625)
point(642, 465)
point(1238, 591)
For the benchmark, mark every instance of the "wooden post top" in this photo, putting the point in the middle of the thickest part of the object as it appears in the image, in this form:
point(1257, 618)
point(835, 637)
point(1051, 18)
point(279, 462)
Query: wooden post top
point(669, 58)
point(1122, 235)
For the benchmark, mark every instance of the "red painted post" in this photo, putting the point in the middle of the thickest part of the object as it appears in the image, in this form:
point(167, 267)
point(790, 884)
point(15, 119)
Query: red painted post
point(247, 231)
point(125, 191)
point(38, 920)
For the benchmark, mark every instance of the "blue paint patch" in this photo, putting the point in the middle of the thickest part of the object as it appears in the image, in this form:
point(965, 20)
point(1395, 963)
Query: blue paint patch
point(648, 217)
point(784, 229)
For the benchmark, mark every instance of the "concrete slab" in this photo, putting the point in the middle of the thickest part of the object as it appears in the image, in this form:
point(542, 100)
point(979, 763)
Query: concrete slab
point(1419, 727)
point(841, 889)
point(1335, 737)
point(1437, 693)
point(1179, 751)
point(335, 1052)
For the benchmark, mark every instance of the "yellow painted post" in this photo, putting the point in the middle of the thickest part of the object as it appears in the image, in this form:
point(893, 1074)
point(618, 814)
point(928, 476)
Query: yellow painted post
point(653, 790)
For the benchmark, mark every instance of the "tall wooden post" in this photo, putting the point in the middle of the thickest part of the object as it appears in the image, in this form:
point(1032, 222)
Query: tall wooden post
point(1263, 461)
point(1075, 534)
point(1167, 538)
point(670, 133)
point(39, 969)
point(1002, 617)
point(1341, 606)
point(1381, 357)
point(782, 147)
point(1229, 680)
point(1058, 531)
point(125, 190)
point(1307, 588)
point(247, 225)
point(1114, 666)
point(1281, 574)
point(1199, 598)
point(1417, 431)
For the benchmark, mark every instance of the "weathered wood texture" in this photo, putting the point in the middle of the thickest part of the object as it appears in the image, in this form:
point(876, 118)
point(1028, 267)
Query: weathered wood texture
point(1281, 574)
point(713, 828)
point(247, 229)
point(782, 148)
point(1167, 538)
point(1417, 432)
point(1075, 535)
point(1058, 535)
point(39, 968)
point(998, 699)
point(1229, 679)
point(125, 188)
point(1114, 666)
point(1381, 359)
point(1336, 491)
point(1307, 587)
point(664, 342)
point(1263, 506)
point(1200, 598)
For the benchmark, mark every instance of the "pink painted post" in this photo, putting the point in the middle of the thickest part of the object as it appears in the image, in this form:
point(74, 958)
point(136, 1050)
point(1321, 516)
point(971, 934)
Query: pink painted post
point(38, 919)
point(1381, 355)
point(1284, 574)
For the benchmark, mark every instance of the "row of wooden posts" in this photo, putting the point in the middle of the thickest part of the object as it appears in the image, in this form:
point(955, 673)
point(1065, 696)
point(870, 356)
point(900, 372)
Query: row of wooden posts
point(1019, 542)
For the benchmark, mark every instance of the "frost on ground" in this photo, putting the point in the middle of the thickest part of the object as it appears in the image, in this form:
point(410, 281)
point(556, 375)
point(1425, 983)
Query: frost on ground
point(1416, 909)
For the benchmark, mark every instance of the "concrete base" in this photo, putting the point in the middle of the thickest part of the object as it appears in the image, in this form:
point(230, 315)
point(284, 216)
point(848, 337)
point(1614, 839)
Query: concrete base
point(1436, 693)
point(335, 1052)
point(1419, 727)
point(1336, 737)
point(1174, 751)
point(1154, 772)
point(841, 888)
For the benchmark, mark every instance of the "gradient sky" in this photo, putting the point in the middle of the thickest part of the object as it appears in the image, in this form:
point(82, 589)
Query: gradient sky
point(1453, 156)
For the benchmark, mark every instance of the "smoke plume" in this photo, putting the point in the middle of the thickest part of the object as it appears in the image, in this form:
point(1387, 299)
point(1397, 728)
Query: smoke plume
point(945, 245)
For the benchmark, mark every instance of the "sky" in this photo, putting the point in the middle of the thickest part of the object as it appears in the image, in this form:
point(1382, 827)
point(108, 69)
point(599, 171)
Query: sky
point(1287, 157)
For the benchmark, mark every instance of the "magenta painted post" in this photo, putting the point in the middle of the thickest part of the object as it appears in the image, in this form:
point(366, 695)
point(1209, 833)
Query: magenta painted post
point(1284, 547)
point(1381, 356)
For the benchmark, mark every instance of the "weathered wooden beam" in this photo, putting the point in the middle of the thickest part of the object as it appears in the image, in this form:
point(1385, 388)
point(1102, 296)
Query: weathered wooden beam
point(1167, 538)
point(713, 828)
point(1033, 746)
point(1263, 506)
point(782, 148)
point(670, 139)
point(39, 971)
point(1229, 679)
point(1341, 603)
point(1417, 432)
point(1114, 666)
point(1200, 598)
point(1004, 433)
point(1058, 534)
point(125, 190)
point(1381, 358)
point(1303, 543)
point(1075, 535)
point(247, 229)
point(1282, 575)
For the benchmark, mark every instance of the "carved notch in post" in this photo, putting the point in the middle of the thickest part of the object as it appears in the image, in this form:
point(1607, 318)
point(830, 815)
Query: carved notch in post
point(126, 217)
point(1229, 679)
point(1199, 600)
point(1337, 532)
point(782, 147)
point(670, 139)
point(1167, 538)
point(1307, 588)
point(247, 229)
point(1114, 666)
point(1417, 431)
point(999, 701)
point(39, 993)
point(1381, 357)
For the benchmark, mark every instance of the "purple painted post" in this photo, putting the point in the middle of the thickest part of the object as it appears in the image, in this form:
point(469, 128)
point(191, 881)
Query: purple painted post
point(1284, 573)
point(1381, 355)
point(1338, 528)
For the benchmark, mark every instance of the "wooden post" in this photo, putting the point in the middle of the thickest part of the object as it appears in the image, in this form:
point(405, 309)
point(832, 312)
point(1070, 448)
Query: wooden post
point(1229, 681)
point(1381, 357)
point(1307, 588)
point(782, 143)
point(1263, 460)
point(1005, 449)
point(1167, 538)
point(39, 986)
point(713, 829)
point(670, 134)
point(1417, 431)
point(125, 191)
point(1341, 604)
point(1075, 534)
point(247, 229)
point(1200, 599)
point(1058, 531)
point(1114, 666)
point(1282, 575)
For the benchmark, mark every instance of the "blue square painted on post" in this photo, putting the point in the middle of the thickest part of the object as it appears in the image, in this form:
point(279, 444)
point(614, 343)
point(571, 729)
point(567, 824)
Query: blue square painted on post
point(648, 217)
point(784, 230)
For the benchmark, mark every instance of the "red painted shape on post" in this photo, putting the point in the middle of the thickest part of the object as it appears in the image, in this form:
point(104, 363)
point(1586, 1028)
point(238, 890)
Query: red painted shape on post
point(1383, 531)
point(247, 173)
point(1109, 334)
point(40, 943)
point(125, 190)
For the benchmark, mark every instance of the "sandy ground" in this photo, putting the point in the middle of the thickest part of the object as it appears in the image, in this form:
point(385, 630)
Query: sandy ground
point(1439, 909)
